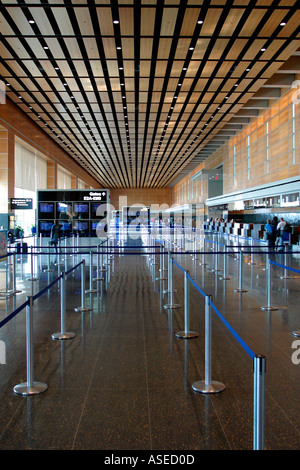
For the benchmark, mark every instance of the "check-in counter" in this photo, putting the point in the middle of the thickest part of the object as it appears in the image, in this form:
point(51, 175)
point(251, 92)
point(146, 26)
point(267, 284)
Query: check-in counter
point(246, 230)
point(229, 228)
point(237, 228)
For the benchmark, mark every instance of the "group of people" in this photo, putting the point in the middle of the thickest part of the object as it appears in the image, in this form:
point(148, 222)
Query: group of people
point(275, 232)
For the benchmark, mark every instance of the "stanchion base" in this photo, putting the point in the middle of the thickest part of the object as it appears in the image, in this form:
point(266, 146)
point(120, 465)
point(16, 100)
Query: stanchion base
point(269, 308)
point(83, 309)
point(63, 335)
point(24, 389)
point(172, 306)
point(186, 334)
point(240, 290)
point(202, 387)
point(296, 333)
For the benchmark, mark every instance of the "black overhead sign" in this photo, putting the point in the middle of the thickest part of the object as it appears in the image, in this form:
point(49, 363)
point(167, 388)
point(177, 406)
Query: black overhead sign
point(21, 203)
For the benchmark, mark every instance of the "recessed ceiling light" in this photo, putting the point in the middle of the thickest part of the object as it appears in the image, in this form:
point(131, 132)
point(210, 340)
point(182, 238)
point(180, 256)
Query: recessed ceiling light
point(46, 47)
point(263, 49)
point(282, 24)
point(200, 22)
point(31, 21)
point(191, 48)
point(116, 21)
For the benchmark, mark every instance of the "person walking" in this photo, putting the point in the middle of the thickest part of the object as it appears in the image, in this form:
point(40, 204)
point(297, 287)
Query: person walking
point(280, 228)
point(55, 235)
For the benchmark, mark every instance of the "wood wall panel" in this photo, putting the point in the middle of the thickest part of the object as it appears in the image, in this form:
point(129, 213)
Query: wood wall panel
point(283, 161)
point(14, 120)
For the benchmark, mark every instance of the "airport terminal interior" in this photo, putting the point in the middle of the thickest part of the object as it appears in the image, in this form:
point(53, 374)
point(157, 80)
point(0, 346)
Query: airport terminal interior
point(149, 226)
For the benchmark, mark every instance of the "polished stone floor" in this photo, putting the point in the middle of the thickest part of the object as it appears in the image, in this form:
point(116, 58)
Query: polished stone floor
point(124, 382)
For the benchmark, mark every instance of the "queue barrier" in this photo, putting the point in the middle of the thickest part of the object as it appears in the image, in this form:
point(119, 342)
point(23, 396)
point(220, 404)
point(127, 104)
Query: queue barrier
point(209, 386)
point(32, 387)
point(206, 386)
point(269, 307)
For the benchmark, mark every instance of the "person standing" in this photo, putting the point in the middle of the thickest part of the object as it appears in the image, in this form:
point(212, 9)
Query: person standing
point(270, 233)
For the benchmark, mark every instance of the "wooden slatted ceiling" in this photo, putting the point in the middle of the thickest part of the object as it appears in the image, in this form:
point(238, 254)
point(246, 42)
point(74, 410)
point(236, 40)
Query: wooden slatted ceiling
point(134, 90)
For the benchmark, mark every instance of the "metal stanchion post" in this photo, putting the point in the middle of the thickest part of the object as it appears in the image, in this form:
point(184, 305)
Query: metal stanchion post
point(99, 266)
point(240, 289)
point(203, 255)
point(187, 333)
point(15, 291)
point(91, 290)
point(161, 278)
point(63, 334)
point(30, 387)
point(107, 258)
point(49, 270)
point(217, 259)
point(102, 262)
point(66, 245)
point(31, 263)
point(252, 255)
point(208, 385)
point(83, 308)
point(259, 366)
point(171, 304)
point(269, 289)
point(59, 263)
point(225, 277)
point(285, 263)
